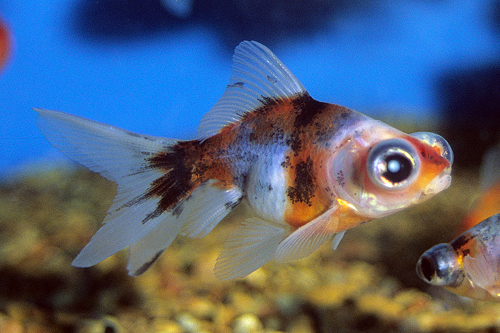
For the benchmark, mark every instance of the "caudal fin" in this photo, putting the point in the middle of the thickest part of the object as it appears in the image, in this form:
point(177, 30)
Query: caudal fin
point(150, 207)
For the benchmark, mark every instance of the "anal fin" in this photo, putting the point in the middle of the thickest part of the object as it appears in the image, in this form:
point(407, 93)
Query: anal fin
point(206, 207)
point(144, 252)
point(248, 248)
point(195, 217)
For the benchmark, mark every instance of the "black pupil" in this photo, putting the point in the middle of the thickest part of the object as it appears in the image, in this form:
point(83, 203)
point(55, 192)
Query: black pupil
point(398, 168)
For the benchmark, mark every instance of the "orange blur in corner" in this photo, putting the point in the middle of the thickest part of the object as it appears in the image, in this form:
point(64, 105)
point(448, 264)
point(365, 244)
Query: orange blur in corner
point(488, 204)
point(5, 44)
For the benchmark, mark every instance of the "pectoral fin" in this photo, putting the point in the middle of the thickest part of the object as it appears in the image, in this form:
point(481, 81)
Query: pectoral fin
point(306, 239)
point(482, 273)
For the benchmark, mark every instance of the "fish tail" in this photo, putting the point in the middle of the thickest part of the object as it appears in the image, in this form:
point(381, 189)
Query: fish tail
point(160, 193)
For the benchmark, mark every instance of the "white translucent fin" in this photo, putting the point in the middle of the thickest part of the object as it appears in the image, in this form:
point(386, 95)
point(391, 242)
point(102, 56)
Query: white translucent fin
point(206, 206)
point(196, 216)
point(257, 75)
point(118, 155)
point(306, 239)
point(337, 238)
point(144, 252)
point(482, 273)
point(248, 248)
point(489, 174)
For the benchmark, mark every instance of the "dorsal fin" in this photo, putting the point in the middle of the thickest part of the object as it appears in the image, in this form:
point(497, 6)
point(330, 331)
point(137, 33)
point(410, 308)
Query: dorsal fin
point(256, 75)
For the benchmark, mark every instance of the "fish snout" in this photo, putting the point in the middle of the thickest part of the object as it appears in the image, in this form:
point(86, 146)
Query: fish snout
point(439, 144)
point(439, 266)
point(443, 148)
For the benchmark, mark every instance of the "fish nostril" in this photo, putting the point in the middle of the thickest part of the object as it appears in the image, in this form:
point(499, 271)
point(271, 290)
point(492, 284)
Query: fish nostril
point(436, 141)
point(426, 269)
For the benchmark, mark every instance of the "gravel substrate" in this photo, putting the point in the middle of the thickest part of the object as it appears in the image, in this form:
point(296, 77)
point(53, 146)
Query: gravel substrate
point(368, 285)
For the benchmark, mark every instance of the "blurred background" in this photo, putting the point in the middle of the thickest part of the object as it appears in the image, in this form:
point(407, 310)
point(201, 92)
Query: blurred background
point(156, 67)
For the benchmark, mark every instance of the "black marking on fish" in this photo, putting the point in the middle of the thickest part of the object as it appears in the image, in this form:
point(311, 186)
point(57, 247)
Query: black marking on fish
point(241, 180)
point(233, 204)
point(286, 162)
point(325, 131)
point(273, 79)
point(238, 84)
point(154, 214)
point(177, 211)
point(177, 182)
point(308, 109)
point(305, 185)
point(340, 178)
point(148, 264)
point(461, 241)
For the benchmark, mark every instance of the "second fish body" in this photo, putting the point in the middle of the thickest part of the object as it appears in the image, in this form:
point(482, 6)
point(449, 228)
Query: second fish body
point(469, 265)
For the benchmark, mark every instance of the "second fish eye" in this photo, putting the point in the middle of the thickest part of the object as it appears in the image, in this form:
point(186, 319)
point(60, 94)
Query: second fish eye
point(393, 164)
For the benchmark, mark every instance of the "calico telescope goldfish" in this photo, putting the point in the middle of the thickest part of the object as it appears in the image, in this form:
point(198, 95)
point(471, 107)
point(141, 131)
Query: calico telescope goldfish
point(308, 171)
point(469, 265)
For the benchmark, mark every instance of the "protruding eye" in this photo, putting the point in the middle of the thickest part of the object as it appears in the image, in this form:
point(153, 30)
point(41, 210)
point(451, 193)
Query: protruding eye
point(393, 164)
point(439, 266)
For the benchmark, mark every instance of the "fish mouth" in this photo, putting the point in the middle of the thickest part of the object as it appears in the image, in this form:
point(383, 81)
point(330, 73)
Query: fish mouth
point(440, 145)
point(438, 184)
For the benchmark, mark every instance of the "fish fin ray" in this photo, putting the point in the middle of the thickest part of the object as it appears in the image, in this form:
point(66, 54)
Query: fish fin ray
point(195, 217)
point(111, 151)
point(256, 76)
point(337, 238)
point(481, 270)
point(144, 252)
point(482, 274)
point(306, 239)
point(248, 248)
point(206, 207)
point(122, 157)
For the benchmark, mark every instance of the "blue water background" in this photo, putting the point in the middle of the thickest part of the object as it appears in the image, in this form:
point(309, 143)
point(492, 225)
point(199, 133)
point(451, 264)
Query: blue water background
point(379, 61)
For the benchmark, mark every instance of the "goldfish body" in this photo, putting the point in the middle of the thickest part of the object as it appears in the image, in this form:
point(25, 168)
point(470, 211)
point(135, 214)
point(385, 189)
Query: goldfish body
point(469, 265)
point(308, 170)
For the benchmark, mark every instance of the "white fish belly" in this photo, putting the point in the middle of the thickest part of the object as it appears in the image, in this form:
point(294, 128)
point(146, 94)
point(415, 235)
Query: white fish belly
point(266, 187)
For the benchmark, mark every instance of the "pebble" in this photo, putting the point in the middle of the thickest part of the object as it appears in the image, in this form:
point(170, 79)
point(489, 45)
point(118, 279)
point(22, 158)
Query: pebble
point(10, 325)
point(179, 294)
point(247, 323)
point(188, 323)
